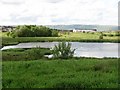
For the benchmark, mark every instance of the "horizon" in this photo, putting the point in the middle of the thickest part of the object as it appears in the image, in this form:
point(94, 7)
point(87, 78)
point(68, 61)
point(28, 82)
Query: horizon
point(61, 24)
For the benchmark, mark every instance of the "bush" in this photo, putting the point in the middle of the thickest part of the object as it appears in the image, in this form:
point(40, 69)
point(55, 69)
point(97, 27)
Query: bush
point(110, 35)
point(63, 50)
point(92, 32)
point(101, 37)
point(34, 31)
point(104, 35)
point(83, 31)
point(55, 33)
point(36, 53)
point(8, 34)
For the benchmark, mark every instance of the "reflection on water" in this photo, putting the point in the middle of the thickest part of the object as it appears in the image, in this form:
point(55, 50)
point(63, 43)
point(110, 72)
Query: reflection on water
point(82, 49)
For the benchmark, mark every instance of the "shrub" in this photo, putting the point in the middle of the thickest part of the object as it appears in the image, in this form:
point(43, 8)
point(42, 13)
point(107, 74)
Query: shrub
point(92, 32)
point(101, 36)
point(55, 33)
point(13, 36)
point(83, 31)
point(8, 33)
point(110, 35)
point(36, 53)
point(104, 35)
point(63, 50)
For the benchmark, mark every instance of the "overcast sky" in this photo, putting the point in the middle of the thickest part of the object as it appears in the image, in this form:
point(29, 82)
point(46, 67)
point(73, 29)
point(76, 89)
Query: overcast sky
point(47, 12)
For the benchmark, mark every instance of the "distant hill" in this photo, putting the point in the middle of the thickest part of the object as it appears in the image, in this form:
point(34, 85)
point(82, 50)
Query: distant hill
point(71, 27)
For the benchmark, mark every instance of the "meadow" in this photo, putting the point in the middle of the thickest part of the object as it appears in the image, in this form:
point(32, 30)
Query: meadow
point(74, 37)
point(28, 68)
point(72, 73)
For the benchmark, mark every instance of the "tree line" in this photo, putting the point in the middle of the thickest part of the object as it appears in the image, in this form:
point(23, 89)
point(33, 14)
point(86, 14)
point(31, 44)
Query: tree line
point(33, 31)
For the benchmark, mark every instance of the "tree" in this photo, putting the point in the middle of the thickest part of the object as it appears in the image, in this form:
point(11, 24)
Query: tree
point(34, 31)
point(63, 50)
point(22, 31)
point(54, 33)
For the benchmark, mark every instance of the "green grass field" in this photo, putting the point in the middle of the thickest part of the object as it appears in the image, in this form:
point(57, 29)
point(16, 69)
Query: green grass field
point(74, 37)
point(27, 68)
point(72, 73)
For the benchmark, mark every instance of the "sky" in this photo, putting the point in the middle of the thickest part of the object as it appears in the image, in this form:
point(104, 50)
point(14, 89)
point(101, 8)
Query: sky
point(55, 12)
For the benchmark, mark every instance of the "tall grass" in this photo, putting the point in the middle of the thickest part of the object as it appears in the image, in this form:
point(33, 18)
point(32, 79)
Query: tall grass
point(24, 54)
point(72, 73)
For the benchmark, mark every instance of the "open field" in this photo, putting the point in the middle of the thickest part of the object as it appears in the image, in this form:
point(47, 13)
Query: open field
point(3, 34)
point(90, 35)
point(74, 37)
point(27, 68)
point(72, 73)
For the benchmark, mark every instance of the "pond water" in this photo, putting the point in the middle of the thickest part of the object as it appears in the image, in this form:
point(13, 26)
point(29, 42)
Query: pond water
point(98, 50)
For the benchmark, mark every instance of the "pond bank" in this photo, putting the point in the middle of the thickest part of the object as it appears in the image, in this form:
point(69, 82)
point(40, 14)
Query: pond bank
point(11, 41)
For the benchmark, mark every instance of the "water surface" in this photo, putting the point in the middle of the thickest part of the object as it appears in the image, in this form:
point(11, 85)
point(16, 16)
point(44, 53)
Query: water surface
point(99, 50)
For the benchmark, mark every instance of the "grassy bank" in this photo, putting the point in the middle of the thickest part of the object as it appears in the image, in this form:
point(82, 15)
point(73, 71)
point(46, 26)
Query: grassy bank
point(24, 54)
point(72, 73)
point(74, 37)
point(31, 54)
point(12, 41)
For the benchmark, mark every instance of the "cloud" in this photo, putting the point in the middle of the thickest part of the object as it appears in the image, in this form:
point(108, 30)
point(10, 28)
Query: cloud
point(12, 2)
point(59, 12)
point(53, 1)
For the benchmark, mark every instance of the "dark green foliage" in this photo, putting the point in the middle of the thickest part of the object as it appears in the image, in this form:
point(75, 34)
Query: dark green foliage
point(101, 36)
point(110, 35)
point(8, 34)
point(55, 33)
point(104, 34)
point(33, 31)
point(84, 32)
point(63, 50)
